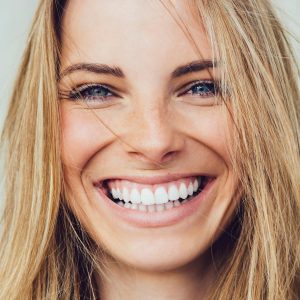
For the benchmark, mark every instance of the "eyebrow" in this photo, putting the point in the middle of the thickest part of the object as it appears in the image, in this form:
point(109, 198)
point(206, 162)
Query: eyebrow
point(93, 68)
point(195, 66)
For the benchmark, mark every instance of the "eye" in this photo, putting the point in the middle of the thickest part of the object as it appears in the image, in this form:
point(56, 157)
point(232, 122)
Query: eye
point(202, 88)
point(91, 92)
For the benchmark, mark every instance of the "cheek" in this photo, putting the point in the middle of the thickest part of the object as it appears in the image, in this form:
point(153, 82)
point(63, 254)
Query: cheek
point(83, 134)
point(215, 133)
point(209, 126)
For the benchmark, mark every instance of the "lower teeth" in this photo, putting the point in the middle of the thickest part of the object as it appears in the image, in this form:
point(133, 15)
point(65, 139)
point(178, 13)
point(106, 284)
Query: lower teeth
point(152, 208)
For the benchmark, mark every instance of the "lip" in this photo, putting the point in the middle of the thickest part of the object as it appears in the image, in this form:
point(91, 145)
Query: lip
point(151, 180)
point(137, 218)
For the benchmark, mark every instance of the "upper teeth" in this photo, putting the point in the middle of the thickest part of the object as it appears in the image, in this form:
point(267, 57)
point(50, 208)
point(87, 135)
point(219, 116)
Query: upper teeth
point(158, 194)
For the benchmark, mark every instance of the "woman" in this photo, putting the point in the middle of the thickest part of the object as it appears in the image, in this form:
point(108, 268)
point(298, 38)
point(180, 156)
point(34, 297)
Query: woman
point(152, 152)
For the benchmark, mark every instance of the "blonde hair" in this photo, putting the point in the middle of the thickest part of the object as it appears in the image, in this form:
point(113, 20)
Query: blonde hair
point(45, 253)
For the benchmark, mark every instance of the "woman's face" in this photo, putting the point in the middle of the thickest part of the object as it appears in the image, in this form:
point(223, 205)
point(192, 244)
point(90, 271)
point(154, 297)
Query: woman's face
point(144, 137)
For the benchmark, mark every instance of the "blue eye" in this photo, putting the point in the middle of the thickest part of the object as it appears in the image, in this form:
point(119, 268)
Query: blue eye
point(205, 88)
point(93, 92)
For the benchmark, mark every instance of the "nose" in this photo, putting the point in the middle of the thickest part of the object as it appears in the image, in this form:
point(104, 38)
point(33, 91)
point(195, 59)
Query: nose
point(152, 137)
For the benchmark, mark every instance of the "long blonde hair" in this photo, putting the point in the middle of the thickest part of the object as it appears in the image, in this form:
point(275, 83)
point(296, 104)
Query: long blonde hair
point(46, 254)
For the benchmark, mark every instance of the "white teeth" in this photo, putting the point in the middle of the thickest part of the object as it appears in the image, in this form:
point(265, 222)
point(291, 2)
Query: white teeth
point(176, 203)
point(127, 205)
point(169, 205)
point(190, 189)
point(196, 185)
point(135, 196)
point(119, 194)
point(134, 206)
point(173, 193)
point(160, 207)
point(160, 199)
point(114, 193)
point(151, 208)
point(161, 196)
point(147, 197)
point(183, 191)
point(125, 195)
point(142, 207)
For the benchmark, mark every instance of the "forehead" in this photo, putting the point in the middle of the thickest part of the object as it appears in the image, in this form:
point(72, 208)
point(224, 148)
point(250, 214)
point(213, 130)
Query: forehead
point(132, 33)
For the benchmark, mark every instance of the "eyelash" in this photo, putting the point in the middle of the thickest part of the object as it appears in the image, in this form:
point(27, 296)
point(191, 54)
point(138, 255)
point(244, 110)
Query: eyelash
point(80, 92)
point(208, 88)
point(211, 86)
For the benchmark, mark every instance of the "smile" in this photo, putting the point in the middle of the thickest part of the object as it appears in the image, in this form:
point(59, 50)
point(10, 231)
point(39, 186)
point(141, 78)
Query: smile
point(154, 197)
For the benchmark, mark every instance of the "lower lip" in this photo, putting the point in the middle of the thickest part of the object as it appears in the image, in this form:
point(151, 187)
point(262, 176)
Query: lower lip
point(164, 218)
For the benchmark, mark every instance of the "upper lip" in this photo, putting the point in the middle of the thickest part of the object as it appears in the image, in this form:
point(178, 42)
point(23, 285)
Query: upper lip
point(157, 179)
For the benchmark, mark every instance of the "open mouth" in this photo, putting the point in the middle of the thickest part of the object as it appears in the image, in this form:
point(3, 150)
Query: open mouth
point(154, 198)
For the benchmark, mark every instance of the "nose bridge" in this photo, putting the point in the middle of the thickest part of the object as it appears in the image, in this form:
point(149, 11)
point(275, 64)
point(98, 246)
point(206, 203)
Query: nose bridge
point(154, 122)
point(153, 134)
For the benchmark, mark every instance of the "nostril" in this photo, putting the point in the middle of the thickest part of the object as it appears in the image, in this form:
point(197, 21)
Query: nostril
point(153, 158)
point(156, 145)
point(169, 156)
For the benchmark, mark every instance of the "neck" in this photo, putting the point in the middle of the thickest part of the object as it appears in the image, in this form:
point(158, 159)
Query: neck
point(189, 282)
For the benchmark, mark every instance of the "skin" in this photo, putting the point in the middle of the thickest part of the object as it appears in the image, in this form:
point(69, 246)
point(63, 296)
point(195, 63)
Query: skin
point(147, 130)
